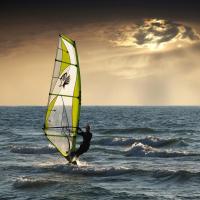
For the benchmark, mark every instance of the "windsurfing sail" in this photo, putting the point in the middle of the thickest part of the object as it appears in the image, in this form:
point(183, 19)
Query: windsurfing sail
point(63, 110)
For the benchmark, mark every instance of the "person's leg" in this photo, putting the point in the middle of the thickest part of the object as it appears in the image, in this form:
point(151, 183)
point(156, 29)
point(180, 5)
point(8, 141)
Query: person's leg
point(82, 149)
point(79, 151)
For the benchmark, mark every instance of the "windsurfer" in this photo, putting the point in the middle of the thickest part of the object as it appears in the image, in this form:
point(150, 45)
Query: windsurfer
point(85, 145)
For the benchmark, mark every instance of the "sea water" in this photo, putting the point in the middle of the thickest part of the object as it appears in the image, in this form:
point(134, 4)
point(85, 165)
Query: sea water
point(135, 153)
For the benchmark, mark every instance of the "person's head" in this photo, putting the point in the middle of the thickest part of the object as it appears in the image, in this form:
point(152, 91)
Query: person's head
point(87, 128)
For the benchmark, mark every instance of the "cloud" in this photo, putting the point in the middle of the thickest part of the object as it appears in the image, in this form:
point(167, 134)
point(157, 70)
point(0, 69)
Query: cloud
point(177, 62)
point(153, 34)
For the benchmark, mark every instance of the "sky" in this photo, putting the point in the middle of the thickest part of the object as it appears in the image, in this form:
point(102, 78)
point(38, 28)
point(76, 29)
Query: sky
point(130, 52)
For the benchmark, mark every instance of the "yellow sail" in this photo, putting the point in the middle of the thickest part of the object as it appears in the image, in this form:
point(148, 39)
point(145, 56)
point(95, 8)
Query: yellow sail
point(63, 111)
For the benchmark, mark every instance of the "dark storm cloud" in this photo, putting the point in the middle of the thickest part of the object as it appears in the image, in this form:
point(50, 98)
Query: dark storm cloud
point(100, 8)
point(74, 11)
point(22, 20)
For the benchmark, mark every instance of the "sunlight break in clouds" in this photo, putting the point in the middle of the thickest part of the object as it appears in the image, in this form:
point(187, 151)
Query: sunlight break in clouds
point(154, 34)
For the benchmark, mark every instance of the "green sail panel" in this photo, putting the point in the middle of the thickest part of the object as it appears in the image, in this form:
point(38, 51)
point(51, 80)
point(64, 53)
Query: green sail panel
point(63, 111)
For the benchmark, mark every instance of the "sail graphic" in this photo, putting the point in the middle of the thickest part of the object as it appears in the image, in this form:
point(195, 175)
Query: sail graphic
point(63, 111)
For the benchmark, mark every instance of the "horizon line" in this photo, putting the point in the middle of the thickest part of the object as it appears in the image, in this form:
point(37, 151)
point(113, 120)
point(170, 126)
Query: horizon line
point(118, 105)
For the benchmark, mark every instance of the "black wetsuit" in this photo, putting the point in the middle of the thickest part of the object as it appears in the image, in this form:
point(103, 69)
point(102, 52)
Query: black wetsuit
point(85, 145)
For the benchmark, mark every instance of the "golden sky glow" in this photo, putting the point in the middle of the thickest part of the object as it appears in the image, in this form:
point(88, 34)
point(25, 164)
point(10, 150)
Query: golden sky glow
point(150, 62)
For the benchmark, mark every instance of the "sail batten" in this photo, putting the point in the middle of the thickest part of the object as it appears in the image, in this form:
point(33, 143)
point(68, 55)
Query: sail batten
point(63, 112)
point(62, 95)
point(65, 62)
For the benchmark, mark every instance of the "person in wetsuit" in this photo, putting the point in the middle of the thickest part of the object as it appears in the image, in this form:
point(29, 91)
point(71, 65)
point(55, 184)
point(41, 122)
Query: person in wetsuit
point(84, 146)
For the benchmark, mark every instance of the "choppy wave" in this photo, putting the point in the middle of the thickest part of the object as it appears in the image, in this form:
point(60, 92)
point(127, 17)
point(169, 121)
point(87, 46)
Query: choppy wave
point(100, 171)
point(177, 175)
point(185, 131)
point(150, 141)
point(128, 130)
point(141, 150)
point(29, 182)
point(33, 150)
point(81, 169)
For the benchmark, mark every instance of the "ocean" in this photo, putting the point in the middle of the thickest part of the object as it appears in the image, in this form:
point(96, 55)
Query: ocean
point(136, 153)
